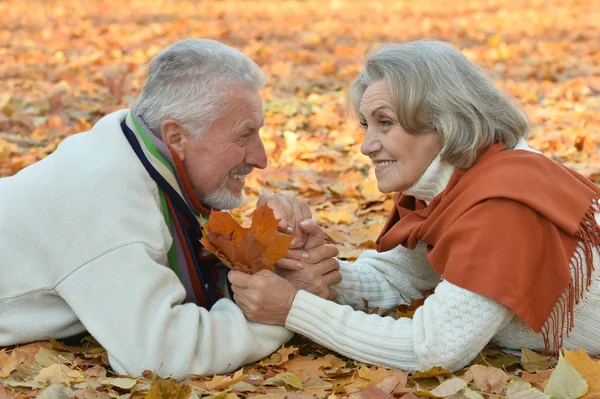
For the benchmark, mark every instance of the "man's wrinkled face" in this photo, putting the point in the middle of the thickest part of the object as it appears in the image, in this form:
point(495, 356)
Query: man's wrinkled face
point(218, 161)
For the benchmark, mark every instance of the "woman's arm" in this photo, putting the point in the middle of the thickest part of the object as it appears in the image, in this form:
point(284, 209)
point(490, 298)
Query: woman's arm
point(449, 330)
point(386, 279)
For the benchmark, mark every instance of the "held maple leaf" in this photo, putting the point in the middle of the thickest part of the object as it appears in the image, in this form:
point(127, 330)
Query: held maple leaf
point(246, 249)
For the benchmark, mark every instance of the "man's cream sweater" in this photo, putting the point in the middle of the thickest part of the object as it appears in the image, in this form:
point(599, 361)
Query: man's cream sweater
point(83, 245)
point(449, 330)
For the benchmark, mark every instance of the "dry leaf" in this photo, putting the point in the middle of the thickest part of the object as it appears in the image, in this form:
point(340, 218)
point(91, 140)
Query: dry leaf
point(57, 391)
point(533, 362)
point(589, 370)
point(246, 249)
point(489, 379)
point(566, 382)
point(123, 383)
point(374, 392)
point(521, 389)
point(58, 373)
point(220, 382)
point(279, 357)
point(8, 363)
point(168, 389)
point(288, 380)
point(449, 387)
point(432, 372)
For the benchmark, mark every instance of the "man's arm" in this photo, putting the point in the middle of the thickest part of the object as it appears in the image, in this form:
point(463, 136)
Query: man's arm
point(132, 305)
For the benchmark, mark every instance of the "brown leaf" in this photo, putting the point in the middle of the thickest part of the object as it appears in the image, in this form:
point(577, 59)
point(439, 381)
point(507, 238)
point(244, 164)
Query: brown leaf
point(432, 372)
point(489, 379)
point(288, 380)
point(58, 373)
point(279, 357)
point(168, 389)
point(8, 363)
point(374, 392)
point(533, 362)
point(220, 382)
point(5, 393)
point(242, 249)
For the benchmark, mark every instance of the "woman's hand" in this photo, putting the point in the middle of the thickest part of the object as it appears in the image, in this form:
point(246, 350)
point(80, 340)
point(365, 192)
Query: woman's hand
point(314, 268)
point(291, 211)
point(263, 297)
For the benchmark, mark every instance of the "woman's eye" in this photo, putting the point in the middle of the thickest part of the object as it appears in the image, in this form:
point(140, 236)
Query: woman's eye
point(364, 124)
point(386, 122)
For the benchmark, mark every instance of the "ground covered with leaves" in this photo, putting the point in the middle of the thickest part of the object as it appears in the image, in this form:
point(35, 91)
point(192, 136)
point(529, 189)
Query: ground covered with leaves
point(66, 64)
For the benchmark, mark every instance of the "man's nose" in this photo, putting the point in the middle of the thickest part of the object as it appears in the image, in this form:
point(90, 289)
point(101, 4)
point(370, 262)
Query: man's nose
point(256, 155)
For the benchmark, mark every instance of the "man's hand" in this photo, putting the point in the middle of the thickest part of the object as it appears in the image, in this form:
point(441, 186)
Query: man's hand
point(263, 297)
point(291, 211)
point(316, 278)
point(297, 259)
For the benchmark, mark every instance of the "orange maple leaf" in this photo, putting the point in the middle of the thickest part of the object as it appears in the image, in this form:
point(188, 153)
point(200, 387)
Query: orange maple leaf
point(246, 249)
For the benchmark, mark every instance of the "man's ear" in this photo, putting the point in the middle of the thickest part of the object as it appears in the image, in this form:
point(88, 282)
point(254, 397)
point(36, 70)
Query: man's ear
point(174, 136)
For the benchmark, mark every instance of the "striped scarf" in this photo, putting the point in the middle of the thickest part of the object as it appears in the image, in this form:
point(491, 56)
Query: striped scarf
point(181, 210)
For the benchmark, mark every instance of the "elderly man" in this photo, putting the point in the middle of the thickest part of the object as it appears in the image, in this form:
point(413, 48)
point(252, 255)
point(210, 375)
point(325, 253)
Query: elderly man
point(102, 235)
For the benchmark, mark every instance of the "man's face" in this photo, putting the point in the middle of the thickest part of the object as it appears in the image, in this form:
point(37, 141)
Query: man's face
point(218, 161)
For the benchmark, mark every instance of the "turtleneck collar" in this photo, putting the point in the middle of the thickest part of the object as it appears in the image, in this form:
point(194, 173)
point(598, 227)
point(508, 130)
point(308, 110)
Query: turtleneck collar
point(432, 182)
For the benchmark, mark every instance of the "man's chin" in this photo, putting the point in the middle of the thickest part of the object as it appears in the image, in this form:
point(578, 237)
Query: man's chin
point(222, 200)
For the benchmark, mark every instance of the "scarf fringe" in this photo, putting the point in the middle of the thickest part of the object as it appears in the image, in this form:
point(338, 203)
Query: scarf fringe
point(562, 317)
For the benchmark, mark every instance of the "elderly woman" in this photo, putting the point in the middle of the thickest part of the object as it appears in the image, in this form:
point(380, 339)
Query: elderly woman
point(507, 237)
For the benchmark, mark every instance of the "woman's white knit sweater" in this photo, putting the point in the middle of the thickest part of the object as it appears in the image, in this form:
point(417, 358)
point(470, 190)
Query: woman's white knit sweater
point(83, 246)
point(449, 330)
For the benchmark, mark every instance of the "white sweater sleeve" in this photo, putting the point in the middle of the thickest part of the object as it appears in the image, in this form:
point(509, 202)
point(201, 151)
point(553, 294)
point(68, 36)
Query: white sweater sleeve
point(386, 279)
point(449, 330)
point(132, 305)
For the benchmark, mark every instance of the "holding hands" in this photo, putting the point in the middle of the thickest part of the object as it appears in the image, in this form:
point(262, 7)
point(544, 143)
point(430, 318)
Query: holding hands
point(267, 297)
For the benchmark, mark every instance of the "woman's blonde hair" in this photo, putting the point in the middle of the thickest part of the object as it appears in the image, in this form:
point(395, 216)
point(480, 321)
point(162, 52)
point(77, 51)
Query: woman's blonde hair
point(436, 88)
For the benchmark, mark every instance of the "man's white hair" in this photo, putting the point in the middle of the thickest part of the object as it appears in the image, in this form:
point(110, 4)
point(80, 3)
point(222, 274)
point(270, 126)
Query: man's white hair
point(189, 79)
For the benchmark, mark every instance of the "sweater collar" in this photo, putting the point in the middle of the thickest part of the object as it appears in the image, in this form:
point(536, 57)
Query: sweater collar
point(432, 182)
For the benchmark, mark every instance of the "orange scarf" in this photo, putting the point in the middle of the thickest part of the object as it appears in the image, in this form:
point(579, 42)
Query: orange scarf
point(507, 228)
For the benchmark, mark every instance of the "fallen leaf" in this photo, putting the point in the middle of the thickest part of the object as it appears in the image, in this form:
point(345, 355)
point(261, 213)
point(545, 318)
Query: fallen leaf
point(123, 383)
point(521, 389)
point(285, 380)
point(243, 386)
point(168, 389)
point(47, 357)
point(220, 382)
point(279, 357)
point(538, 380)
point(468, 393)
point(534, 362)
point(449, 387)
point(566, 382)
point(489, 379)
point(8, 363)
point(432, 372)
point(589, 370)
point(57, 391)
point(374, 392)
point(58, 373)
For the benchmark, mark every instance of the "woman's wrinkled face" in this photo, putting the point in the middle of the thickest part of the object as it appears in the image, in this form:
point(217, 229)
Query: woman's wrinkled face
point(399, 157)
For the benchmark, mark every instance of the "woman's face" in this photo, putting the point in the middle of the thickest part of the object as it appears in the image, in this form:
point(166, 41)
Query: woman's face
point(399, 157)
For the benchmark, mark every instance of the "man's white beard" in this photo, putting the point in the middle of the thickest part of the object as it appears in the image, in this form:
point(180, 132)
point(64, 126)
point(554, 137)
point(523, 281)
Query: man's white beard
point(222, 198)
